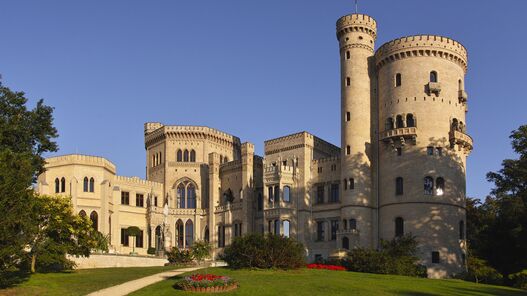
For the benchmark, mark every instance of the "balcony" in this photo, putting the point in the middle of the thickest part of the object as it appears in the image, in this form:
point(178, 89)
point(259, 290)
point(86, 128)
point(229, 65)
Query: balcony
point(348, 232)
point(228, 207)
point(433, 87)
point(274, 173)
point(463, 96)
point(462, 140)
point(399, 134)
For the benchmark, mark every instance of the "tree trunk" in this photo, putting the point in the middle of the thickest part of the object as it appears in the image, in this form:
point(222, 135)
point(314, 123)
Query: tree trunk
point(33, 262)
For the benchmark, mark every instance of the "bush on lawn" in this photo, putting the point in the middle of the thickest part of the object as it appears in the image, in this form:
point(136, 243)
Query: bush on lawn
point(479, 271)
point(176, 256)
point(519, 279)
point(151, 251)
point(397, 256)
point(269, 251)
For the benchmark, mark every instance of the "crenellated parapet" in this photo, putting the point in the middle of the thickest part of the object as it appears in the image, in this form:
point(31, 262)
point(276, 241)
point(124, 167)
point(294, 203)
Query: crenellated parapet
point(79, 159)
point(137, 181)
point(187, 132)
point(357, 23)
point(326, 160)
point(422, 46)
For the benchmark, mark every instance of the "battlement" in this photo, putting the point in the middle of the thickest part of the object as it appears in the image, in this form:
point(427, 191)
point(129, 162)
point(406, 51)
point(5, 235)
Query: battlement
point(358, 23)
point(152, 126)
point(422, 46)
point(231, 165)
point(189, 132)
point(79, 159)
point(137, 181)
point(327, 159)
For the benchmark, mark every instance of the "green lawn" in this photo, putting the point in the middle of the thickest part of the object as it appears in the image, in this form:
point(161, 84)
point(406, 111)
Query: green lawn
point(325, 282)
point(80, 282)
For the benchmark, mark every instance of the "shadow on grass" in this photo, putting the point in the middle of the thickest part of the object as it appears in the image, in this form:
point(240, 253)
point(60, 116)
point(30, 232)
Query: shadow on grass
point(13, 278)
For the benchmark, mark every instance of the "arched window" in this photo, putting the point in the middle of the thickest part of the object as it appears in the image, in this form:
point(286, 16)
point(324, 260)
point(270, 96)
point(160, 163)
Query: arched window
point(92, 185)
point(63, 185)
point(389, 123)
point(159, 238)
point(353, 224)
point(287, 194)
point(221, 236)
point(179, 155)
point(455, 124)
point(85, 186)
point(179, 233)
point(440, 186)
point(398, 79)
point(189, 233)
point(206, 236)
point(185, 156)
point(410, 120)
point(461, 229)
point(399, 226)
point(94, 220)
point(191, 196)
point(260, 202)
point(192, 155)
point(345, 243)
point(433, 76)
point(399, 121)
point(181, 196)
point(344, 224)
point(82, 213)
point(57, 185)
point(399, 186)
point(351, 183)
point(429, 185)
point(286, 225)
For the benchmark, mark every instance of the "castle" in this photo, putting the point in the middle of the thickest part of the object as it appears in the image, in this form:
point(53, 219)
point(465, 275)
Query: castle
point(400, 167)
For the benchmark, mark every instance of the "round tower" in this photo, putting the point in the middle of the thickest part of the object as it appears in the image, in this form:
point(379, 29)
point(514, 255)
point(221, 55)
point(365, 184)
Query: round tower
point(356, 34)
point(423, 147)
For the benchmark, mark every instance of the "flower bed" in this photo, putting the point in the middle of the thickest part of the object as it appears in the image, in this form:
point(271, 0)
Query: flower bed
point(208, 283)
point(325, 266)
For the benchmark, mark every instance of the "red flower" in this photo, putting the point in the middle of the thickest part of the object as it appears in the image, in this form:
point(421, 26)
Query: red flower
point(325, 266)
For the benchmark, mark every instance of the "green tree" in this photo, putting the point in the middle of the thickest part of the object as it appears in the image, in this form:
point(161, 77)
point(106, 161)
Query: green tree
point(505, 235)
point(24, 136)
point(57, 232)
point(135, 232)
point(200, 250)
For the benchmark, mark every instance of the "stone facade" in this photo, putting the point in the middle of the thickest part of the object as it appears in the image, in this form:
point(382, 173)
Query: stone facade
point(400, 168)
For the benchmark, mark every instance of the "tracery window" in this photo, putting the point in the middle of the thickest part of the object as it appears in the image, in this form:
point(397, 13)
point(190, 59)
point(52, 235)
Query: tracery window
point(428, 185)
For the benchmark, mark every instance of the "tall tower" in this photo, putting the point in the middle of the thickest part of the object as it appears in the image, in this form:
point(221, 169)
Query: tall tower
point(356, 34)
point(423, 147)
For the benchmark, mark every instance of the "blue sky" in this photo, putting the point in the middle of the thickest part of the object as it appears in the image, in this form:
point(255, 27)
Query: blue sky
point(242, 67)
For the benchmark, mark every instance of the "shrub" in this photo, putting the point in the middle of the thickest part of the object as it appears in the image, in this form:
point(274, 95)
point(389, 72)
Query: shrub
point(519, 279)
point(269, 251)
point(200, 250)
point(151, 251)
point(177, 256)
point(479, 271)
point(396, 256)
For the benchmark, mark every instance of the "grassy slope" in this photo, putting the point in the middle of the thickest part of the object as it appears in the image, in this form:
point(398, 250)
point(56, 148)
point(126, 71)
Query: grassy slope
point(80, 282)
point(324, 282)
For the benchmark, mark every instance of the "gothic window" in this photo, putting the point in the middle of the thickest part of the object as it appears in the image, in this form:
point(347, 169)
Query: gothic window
point(320, 230)
point(334, 228)
point(92, 185)
point(334, 193)
point(399, 186)
point(179, 155)
point(461, 229)
point(189, 233)
point(85, 184)
point(351, 183)
point(287, 228)
point(399, 226)
point(320, 194)
point(207, 234)
point(181, 196)
point(277, 227)
point(57, 185)
point(63, 185)
point(192, 155)
point(389, 123)
point(353, 224)
point(399, 121)
point(94, 220)
point(82, 213)
point(185, 156)
point(440, 186)
point(277, 193)
point(287, 194)
point(398, 79)
point(410, 120)
point(345, 243)
point(179, 233)
point(191, 196)
point(270, 190)
point(429, 185)
point(221, 236)
point(433, 76)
